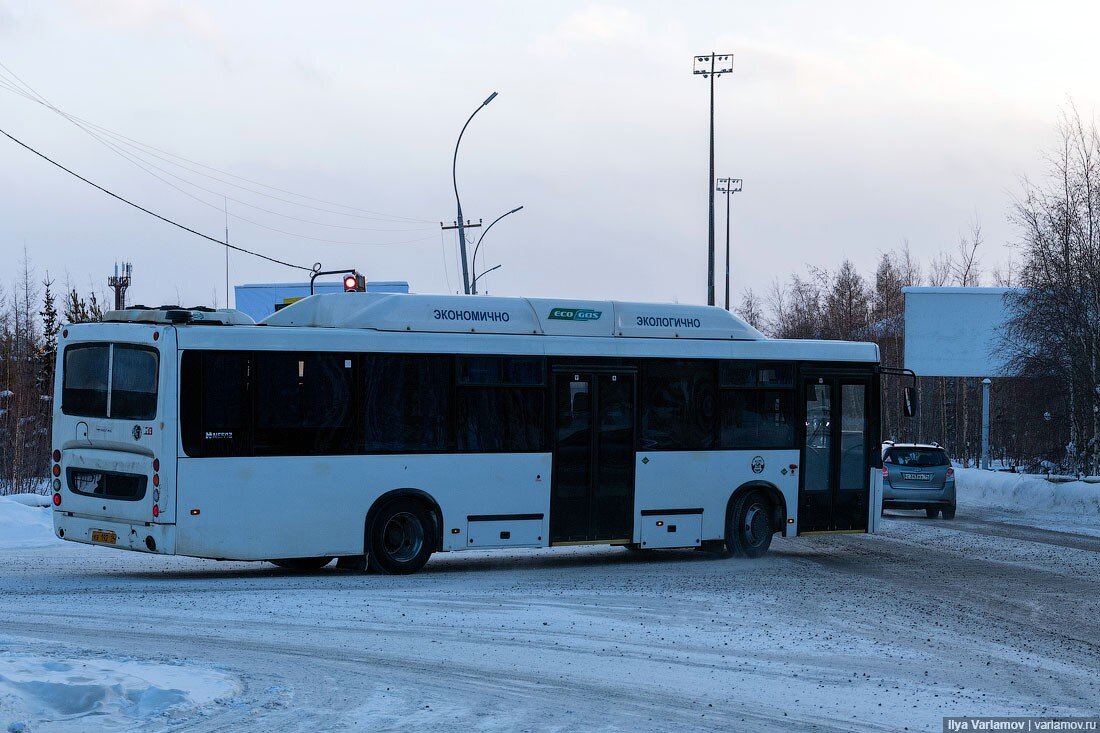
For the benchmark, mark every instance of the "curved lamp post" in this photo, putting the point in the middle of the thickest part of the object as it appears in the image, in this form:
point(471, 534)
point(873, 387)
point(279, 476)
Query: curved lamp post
point(473, 260)
point(454, 179)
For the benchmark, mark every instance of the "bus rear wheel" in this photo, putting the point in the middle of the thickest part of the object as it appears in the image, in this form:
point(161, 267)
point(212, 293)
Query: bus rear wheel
point(401, 537)
point(301, 564)
point(749, 527)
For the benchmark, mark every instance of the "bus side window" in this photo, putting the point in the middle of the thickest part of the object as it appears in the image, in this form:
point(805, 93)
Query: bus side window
point(679, 405)
point(214, 403)
point(303, 403)
point(500, 404)
point(754, 413)
point(406, 403)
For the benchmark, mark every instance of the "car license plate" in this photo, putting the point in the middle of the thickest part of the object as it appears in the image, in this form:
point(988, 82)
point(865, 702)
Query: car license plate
point(917, 476)
point(104, 535)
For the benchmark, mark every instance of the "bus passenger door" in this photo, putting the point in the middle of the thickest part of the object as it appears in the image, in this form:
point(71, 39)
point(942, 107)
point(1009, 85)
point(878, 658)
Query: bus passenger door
point(834, 488)
point(592, 486)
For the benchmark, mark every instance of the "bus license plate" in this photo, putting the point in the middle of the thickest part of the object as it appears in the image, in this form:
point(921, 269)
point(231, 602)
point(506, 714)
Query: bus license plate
point(104, 535)
point(917, 476)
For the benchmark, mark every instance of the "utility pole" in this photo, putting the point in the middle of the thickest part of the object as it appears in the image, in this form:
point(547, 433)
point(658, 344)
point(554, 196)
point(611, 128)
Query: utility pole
point(711, 66)
point(226, 203)
point(119, 282)
point(728, 186)
point(459, 222)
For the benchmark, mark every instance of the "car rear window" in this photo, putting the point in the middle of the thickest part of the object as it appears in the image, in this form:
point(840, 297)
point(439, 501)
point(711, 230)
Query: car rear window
point(917, 457)
point(110, 380)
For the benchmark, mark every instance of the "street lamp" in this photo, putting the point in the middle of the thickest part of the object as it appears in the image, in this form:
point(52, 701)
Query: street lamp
point(473, 260)
point(711, 66)
point(458, 201)
point(728, 186)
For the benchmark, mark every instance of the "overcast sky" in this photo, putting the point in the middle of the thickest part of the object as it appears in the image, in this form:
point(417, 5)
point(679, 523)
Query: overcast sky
point(853, 125)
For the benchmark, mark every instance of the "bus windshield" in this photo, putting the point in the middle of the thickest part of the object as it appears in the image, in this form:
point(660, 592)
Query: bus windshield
point(110, 380)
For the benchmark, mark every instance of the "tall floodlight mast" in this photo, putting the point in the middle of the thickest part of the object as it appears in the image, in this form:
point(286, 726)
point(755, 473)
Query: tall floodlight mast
point(728, 186)
point(712, 66)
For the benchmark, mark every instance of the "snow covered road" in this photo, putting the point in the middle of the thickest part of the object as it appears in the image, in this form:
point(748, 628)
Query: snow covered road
point(982, 615)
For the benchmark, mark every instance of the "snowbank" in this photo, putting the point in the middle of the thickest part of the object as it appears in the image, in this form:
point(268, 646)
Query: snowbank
point(30, 499)
point(1020, 492)
point(104, 694)
point(25, 521)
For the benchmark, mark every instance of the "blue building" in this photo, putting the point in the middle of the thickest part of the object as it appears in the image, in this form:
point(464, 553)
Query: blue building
point(260, 300)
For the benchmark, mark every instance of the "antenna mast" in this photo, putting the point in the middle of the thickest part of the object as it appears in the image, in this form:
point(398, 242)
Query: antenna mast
point(119, 282)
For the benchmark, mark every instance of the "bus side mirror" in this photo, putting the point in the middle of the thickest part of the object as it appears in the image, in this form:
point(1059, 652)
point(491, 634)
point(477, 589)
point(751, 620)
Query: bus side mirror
point(907, 401)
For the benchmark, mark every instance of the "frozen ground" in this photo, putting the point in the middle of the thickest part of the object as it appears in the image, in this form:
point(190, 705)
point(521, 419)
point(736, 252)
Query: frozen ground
point(981, 615)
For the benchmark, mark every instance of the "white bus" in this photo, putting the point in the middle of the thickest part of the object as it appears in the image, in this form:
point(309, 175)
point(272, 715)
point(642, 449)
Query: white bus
point(380, 428)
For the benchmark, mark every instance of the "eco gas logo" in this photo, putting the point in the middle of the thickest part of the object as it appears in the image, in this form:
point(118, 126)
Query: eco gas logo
point(574, 314)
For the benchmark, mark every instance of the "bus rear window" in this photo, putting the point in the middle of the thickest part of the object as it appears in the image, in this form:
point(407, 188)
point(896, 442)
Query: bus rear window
point(85, 387)
point(110, 380)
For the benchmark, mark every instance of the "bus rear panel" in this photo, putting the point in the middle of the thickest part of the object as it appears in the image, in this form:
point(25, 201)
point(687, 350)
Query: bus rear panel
point(114, 436)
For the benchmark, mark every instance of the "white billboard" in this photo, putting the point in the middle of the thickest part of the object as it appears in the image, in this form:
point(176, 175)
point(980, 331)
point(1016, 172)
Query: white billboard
point(955, 332)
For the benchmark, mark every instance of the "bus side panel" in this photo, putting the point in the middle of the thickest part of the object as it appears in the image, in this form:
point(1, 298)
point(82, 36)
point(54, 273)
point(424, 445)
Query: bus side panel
point(706, 480)
point(309, 506)
point(874, 518)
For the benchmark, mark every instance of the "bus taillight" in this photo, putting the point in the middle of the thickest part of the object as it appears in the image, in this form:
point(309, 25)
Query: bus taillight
point(57, 499)
point(156, 510)
point(56, 455)
point(156, 465)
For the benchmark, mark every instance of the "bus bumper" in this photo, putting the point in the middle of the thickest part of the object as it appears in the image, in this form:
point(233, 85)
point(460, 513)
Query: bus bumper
point(137, 536)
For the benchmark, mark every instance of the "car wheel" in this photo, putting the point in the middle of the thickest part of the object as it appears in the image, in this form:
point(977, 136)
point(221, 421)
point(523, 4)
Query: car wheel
point(749, 526)
point(401, 537)
point(301, 564)
point(931, 513)
point(949, 512)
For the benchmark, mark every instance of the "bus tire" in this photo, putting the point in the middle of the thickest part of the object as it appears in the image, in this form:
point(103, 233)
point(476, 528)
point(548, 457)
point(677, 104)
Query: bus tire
point(401, 537)
point(301, 564)
point(948, 512)
point(931, 512)
point(749, 527)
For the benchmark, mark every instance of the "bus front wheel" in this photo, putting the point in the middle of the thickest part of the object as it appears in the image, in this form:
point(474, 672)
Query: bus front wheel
point(749, 526)
point(401, 537)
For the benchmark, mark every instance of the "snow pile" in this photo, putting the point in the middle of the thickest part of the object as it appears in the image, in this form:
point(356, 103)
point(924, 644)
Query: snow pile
point(30, 499)
point(107, 694)
point(25, 521)
point(1021, 492)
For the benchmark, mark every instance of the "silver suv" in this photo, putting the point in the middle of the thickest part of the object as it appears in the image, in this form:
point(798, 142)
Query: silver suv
point(918, 476)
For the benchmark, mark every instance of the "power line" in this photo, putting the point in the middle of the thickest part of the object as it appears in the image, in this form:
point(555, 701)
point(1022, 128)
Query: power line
point(142, 164)
point(25, 90)
point(147, 211)
point(139, 149)
point(446, 264)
